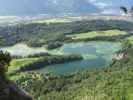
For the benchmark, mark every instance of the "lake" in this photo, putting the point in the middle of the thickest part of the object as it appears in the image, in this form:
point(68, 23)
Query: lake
point(97, 54)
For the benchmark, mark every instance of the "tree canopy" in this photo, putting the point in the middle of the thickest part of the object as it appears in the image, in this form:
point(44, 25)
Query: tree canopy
point(5, 59)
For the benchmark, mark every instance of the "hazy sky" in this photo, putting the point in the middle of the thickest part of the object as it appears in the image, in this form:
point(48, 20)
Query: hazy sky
point(111, 6)
point(40, 6)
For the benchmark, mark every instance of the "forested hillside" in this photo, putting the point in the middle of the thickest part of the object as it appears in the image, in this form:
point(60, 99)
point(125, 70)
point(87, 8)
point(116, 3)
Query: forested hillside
point(38, 34)
point(8, 89)
point(110, 83)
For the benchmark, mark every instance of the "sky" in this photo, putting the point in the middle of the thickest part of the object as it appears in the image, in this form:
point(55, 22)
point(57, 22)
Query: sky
point(111, 6)
point(12, 7)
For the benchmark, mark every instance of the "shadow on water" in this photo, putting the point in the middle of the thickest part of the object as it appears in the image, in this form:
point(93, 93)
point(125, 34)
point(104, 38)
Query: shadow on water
point(74, 66)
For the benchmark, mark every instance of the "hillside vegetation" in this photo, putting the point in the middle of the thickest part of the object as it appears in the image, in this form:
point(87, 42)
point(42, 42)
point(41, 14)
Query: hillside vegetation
point(113, 82)
point(8, 89)
point(110, 83)
point(38, 34)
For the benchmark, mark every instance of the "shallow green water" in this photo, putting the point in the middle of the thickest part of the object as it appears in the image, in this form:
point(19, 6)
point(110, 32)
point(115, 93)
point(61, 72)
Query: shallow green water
point(96, 55)
point(22, 49)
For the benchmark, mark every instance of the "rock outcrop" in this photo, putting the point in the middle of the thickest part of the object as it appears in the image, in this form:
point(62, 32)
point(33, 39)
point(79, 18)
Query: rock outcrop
point(10, 91)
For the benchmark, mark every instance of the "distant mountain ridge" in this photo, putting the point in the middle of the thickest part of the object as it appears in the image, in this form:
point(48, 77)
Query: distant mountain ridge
point(11, 20)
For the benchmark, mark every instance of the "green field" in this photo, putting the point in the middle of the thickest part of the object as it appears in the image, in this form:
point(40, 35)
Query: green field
point(94, 34)
point(18, 63)
point(130, 39)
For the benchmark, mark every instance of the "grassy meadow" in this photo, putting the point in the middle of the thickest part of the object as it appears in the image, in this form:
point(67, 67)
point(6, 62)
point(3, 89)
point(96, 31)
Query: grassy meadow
point(93, 34)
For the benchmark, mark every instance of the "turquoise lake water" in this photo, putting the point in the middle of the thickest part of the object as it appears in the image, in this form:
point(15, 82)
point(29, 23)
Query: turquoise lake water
point(96, 54)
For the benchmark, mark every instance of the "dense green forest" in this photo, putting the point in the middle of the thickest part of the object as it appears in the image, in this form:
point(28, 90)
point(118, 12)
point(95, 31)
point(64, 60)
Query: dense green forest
point(38, 34)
